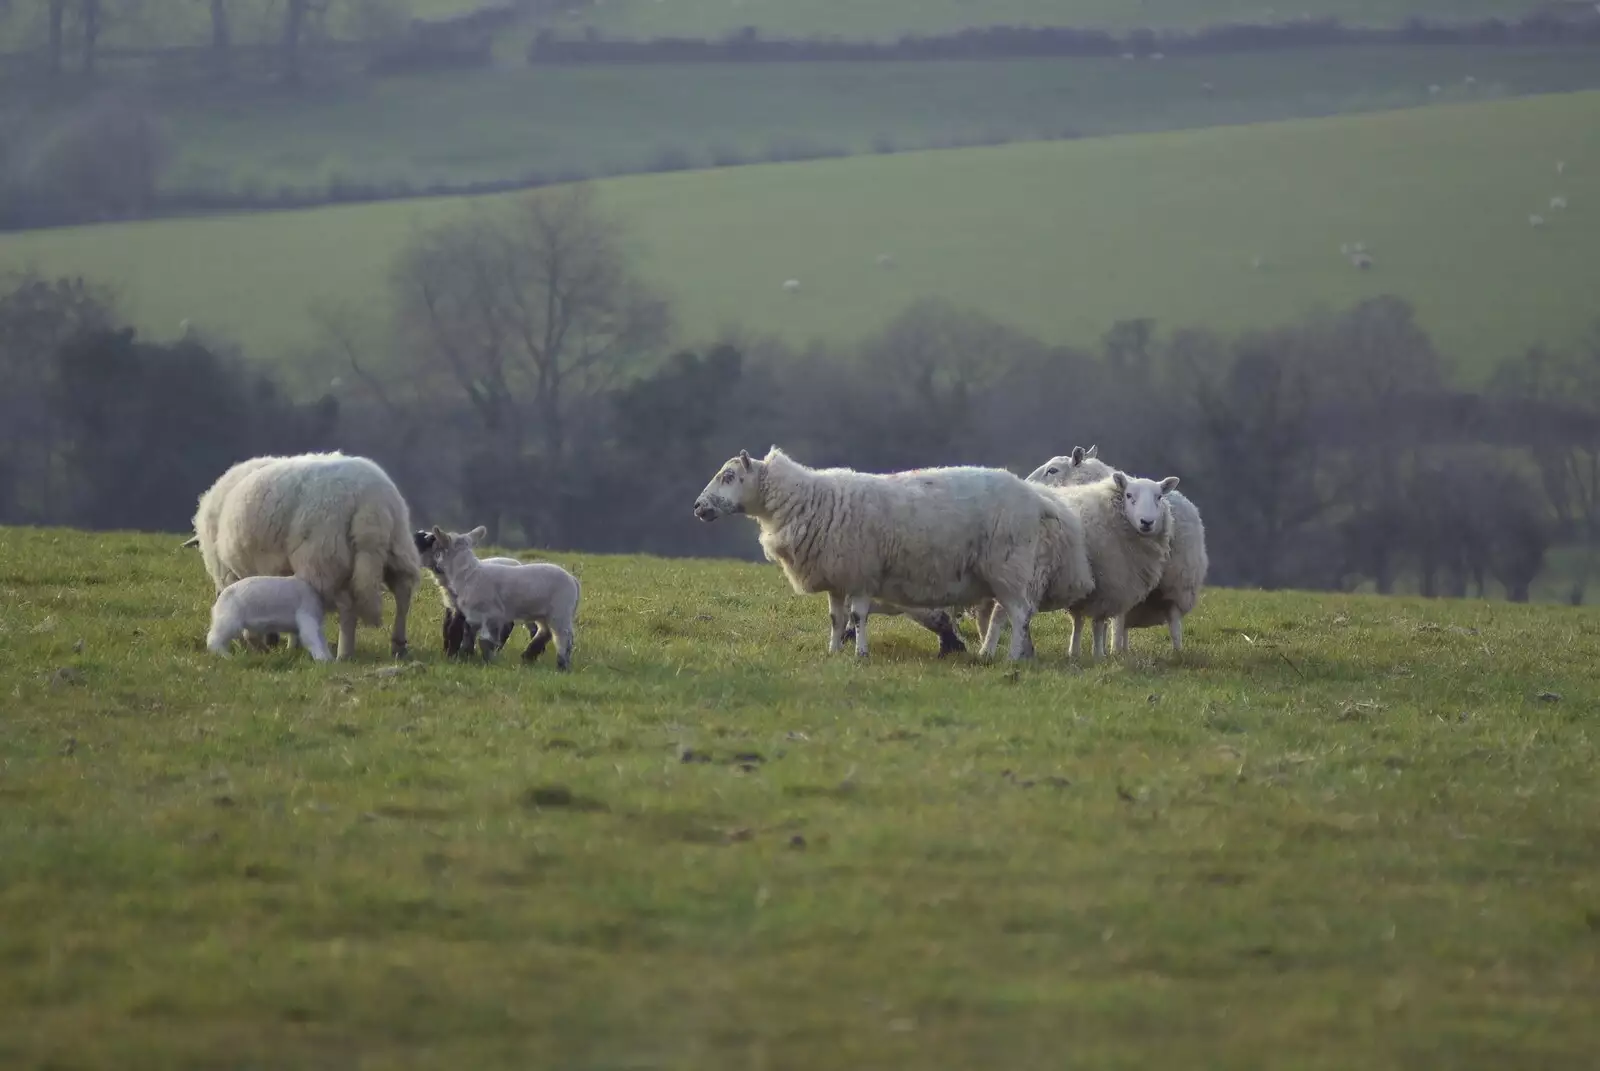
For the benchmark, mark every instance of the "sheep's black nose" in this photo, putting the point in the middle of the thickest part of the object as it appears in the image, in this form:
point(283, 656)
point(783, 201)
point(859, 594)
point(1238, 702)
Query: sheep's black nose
point(1147, 525)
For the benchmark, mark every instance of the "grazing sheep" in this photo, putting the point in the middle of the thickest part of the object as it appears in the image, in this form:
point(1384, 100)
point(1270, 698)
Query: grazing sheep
point(455, 622)
point(1185, 572)
point(491, 595)
point(925, 538)
point(791, 285)
point(334, 521)
point(1535, 220)
point(1558, 202)
point(267, 604)
point(1361, 260)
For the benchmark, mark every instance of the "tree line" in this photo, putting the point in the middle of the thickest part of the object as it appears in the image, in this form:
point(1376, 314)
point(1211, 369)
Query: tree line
point(525, 381)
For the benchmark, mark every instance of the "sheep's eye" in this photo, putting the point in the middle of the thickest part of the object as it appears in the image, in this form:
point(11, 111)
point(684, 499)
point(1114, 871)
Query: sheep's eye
point(1052, 471)
point(727, 477)
point(1129, 496)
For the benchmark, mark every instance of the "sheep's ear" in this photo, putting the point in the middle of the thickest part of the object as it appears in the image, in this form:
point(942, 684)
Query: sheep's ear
point(1120, 479)
point(439, 536)
point(1077, 456)
point(1169, 485)
point(744, 455)
point(477, 535)
point(1091, 452)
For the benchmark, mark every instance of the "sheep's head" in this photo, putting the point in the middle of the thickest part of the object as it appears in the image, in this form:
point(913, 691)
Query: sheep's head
point(1068, 470)
point(448, 547)
point(427, 548)
point(1144, 502)
point(734, 489)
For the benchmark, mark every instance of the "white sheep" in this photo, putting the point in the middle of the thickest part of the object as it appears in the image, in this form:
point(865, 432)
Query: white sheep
point(1558, 203)
point(490, 595)
point(1535, 220)
point(925, 538)
point(267, 604)
point(1185, 572)
point(791, 285)
point(1433, 90)
point(1561, 167)
point(455, 622)
point(336, 522)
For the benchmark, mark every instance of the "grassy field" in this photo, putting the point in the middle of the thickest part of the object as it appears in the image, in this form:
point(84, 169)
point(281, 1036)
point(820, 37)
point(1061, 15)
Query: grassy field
point(509, 122)
point(1338, 832)
point(1060, 239)
point(891, 18)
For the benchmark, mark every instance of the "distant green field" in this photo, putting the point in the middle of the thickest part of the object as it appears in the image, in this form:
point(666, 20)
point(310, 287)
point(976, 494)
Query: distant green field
point(508, 122)
point(1060, 239)
point(891, 18)
point(1338, 832)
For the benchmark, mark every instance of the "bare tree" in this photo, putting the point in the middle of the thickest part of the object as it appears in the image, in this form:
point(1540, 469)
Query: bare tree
point(528, 308)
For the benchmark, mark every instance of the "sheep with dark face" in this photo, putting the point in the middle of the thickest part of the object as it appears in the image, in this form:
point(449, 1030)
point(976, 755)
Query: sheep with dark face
point(455, 622)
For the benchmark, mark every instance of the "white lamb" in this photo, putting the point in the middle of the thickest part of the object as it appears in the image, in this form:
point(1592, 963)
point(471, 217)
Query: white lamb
point(268, 604)
point(455, 622)
point(926, 538)
point(491, 595)
point(336, 522)
point(1185, 572)
point(1558, 203)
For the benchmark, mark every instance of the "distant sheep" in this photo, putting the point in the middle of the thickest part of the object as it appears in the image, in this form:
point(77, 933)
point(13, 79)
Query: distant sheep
point(491, 595)
point(1185, 572)
point(265, 604)
point(1361, 260)
point(925, 538)
point(336, 522)
point(1535, 220)
point(885, 260)
point(791, 285)
point(1558, 203)
point(1561, 167)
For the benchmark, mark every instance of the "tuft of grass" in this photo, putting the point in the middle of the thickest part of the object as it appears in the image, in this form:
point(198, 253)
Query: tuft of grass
point(1338, 831)
point(1058, 239)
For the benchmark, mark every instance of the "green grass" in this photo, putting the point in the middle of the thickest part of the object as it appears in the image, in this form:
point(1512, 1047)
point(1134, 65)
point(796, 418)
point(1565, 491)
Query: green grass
point(508, 122)
point(891, 18)
point(1060, 239)
point(1338, 832)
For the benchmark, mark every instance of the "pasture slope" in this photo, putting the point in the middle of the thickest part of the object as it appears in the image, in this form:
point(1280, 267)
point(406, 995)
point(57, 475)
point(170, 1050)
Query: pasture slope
point(1060, 239)
point(1340, 831)
point(892, 18)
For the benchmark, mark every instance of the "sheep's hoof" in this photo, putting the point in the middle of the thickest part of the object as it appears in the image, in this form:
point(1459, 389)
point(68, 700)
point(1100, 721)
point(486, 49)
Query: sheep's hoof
point(849, 635)
point(563, 664)
point(532, 652)
point(399, 648)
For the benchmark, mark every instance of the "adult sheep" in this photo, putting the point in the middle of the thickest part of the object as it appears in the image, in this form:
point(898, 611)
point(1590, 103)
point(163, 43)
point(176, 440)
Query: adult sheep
point(336, 522)
point(926, 538)
point(1185, 573)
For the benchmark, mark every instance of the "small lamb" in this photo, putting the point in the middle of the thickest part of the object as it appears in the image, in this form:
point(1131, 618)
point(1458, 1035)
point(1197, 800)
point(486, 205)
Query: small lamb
point(455, 622)
point(491, 594)
point(268, 604)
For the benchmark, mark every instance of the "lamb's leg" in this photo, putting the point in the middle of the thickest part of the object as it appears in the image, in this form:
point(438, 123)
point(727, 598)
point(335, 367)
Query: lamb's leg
point(860, 610)
point(1075, 646)
point(1175, 627)
point(838, 621)
point(449, 634)
point(347, 626)
point(486, 633)
point(989, 626)
point(402, 586)
point(943, 625)
point(985, 615)
point(1100, 624)
point(507, 629)
point(311, 637)
point(541, 640)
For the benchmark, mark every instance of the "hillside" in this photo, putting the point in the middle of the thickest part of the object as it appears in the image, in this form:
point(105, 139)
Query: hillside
point(1339, 832)
point(891, 18)
point(1061, 239)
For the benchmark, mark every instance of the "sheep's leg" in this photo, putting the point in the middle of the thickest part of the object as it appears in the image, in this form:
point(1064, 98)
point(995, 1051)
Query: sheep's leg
point(1119, 633)
point(1075, 645)
point(941, 623)
point(860, 610)
point(311, 637)
point(486, 633)
point(540, 640)
point(402, 587)
point(347, 626)
point(838, 622)
point(507, 629)
point(564, 642)
point(449, 633)
point(1175, 627)
point(1021, 614)
point(1100, 624)
point(989, 628)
